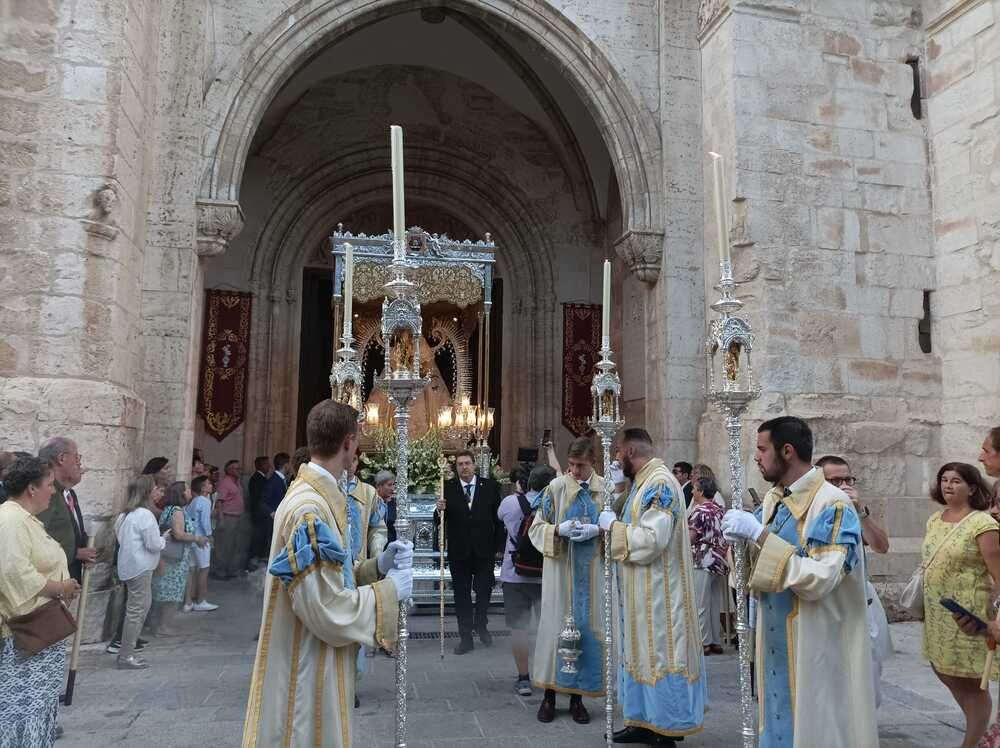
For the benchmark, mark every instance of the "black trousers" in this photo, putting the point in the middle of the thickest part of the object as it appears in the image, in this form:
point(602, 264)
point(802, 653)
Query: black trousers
point(468, 575)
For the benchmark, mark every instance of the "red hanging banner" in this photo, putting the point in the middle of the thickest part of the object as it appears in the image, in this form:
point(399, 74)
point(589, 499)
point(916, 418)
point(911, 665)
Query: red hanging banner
point(581, 351)
point(225, 347)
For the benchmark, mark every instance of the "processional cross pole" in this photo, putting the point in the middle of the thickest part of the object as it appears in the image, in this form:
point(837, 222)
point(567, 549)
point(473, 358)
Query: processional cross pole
point(732, 389)
point(606, 420)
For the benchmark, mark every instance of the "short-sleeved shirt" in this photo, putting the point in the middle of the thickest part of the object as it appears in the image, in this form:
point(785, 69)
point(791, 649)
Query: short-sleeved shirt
point(199, 511)
point(511, 515)
point(230, 496)
point(29, 559)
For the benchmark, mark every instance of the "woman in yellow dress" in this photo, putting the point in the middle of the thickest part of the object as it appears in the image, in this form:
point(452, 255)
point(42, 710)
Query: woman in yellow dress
point(961, 570)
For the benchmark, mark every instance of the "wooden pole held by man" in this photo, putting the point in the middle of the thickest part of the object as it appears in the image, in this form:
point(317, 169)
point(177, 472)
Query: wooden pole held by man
point(81, 612)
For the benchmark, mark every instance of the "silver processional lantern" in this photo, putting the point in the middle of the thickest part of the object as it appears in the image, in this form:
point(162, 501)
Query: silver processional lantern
point(606, 420)
point(732, 388)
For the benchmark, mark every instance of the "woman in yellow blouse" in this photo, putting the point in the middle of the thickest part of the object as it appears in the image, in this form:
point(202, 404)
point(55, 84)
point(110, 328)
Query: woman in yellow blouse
point(32, 572)
point(961, 570)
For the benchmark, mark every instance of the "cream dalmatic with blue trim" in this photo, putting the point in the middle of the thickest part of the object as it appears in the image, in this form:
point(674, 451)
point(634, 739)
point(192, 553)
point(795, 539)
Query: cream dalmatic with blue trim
point(578, 584)
point(813, 655)
point(661, 678)
point(318, 606)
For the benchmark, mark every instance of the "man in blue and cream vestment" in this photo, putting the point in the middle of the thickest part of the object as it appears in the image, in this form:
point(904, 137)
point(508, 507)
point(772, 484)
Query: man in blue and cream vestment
point(662, 685)
point(813, 657)
point(319, 606)
point(565, 532)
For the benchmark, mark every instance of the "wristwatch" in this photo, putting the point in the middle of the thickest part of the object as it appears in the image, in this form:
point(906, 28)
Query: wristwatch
point(865, 511)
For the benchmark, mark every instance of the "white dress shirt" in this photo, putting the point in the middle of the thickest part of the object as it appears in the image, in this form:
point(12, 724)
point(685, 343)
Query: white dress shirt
point(139, 543)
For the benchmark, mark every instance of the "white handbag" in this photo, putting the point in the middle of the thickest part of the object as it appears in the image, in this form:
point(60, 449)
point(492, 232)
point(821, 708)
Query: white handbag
point(911, 599)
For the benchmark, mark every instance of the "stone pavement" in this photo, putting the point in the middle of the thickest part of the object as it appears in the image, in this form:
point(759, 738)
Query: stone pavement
point(195, 692)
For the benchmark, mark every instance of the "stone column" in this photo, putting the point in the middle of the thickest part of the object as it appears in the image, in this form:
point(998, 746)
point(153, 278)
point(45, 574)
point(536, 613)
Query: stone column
point(827, 166)
point(963, 101)
point(74, 114)
point(182, 230)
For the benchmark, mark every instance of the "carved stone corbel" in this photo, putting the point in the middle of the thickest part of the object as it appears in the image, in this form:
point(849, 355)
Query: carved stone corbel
point(709, 12)
point(642, 253)
point(219, 221)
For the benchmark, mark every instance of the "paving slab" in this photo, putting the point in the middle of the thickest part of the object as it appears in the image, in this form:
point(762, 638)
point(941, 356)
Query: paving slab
point(195, 693)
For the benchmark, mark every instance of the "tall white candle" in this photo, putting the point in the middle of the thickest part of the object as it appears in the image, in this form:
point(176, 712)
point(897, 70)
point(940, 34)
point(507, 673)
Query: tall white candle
point(348, 288)
point(721, 214)
point(398, 202)
point(606, 303)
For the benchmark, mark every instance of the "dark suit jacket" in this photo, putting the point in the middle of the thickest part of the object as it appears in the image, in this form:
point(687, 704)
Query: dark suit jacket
point(255, 492)
point(65, 528)
point(688, 493)
point(475, 533)
point(271, 494)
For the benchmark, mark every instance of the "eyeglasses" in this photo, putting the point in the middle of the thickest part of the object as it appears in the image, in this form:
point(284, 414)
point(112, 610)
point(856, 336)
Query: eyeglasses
point(848, 480)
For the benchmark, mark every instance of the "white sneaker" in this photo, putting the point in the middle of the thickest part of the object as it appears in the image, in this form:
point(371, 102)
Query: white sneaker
point(204, 606)
point(188, 607)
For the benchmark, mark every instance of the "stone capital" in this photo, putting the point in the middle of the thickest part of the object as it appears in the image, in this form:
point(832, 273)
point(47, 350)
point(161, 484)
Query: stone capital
point(642, 252)
point(219, 221)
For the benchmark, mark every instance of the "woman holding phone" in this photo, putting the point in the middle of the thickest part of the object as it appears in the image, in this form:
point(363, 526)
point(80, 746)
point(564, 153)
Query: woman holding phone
point(964, 542)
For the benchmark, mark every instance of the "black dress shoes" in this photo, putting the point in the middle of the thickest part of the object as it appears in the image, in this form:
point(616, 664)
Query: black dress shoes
point(464, 646)
point(485, 637)
point(547, 710)
point(642, 736)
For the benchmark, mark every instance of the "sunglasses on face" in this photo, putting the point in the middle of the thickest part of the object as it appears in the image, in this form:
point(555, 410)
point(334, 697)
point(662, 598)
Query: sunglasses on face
point(849, 480)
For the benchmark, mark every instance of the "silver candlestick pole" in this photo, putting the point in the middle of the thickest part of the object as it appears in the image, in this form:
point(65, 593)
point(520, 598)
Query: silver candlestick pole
point(732, 389)
point(401, 331)
point(606, 421)
point(345, 387)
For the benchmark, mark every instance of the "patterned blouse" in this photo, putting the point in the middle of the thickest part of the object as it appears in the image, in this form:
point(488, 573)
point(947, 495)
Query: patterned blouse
point(707, 543)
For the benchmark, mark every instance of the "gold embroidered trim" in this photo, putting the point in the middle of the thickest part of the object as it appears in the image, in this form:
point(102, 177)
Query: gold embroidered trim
point(790, 645)
point(341, 689)
point(251, 724)
point(571, 691)
point(292, 682)
point(318, 696)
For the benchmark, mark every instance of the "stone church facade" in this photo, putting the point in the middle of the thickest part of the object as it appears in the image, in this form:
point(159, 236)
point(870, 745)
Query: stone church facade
point(151, 150)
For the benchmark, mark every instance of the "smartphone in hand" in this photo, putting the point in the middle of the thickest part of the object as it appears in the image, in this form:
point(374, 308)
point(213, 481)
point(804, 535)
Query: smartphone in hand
point(954, 607)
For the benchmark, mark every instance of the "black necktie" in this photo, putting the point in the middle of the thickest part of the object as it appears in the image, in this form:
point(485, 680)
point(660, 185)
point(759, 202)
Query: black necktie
point(468, 494)
point(584, 486)
point(787, 493)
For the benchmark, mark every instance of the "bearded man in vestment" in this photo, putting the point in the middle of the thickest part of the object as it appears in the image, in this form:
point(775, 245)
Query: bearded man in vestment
point(662, 685)
point(319, 606)
point(565, 532)
point(813, 657)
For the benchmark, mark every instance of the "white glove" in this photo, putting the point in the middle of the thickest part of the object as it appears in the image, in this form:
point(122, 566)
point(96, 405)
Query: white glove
point(584, 533)
point(740, 525)
point(403, 581)
point(566, 528)
point(397, 555)
point(606, 519)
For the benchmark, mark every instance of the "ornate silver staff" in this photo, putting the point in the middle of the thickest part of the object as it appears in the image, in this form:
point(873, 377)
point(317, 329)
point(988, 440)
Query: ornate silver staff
point(346, 378)
point(731, 336)
point(606, 421)
point(402, 333)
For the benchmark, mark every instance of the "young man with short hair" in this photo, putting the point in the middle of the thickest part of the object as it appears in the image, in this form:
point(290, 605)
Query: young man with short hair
point(810, 589)
point(317, 605)
point(565, 532)
point(682, 472)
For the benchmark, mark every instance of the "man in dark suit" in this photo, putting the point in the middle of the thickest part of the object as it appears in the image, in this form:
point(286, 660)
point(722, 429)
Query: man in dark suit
point(475, 537)
point(682, 472)
point(271, 494)
point(63, 520)
point(256, 487)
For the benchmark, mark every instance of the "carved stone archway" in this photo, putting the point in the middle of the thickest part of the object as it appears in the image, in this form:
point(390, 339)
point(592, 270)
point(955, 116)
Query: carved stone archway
point(629, 130)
